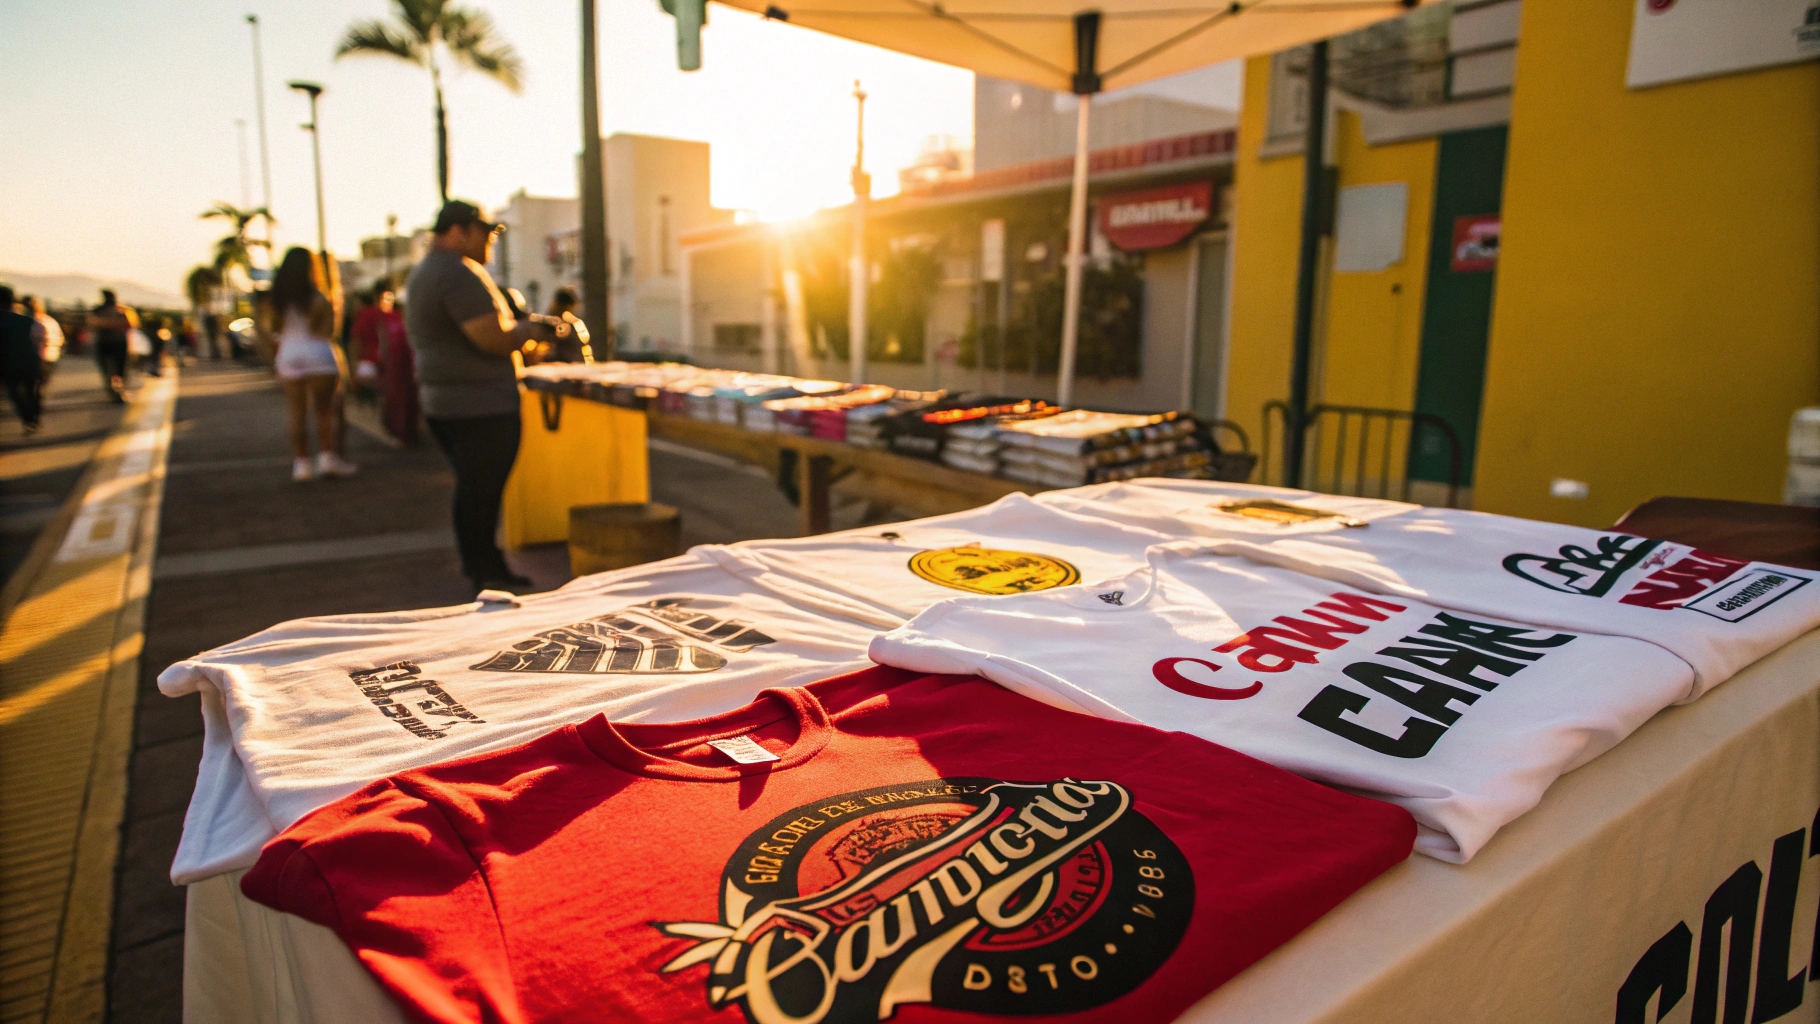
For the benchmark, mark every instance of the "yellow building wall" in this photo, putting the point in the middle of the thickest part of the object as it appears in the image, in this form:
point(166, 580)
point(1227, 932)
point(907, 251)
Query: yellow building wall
point(1374, 320)
point(1266, 219)
point(1368, 340)
point(1657, 316)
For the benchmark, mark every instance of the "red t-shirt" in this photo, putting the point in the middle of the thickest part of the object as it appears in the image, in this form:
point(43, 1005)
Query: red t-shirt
point(925, 848)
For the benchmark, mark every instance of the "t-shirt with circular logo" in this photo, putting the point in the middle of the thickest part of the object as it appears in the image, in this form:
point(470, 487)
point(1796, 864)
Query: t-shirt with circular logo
point(909, 848)
point(1013, 546)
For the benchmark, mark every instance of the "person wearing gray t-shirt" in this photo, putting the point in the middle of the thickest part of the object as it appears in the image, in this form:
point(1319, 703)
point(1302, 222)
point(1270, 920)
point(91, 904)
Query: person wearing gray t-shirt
point(463, 334)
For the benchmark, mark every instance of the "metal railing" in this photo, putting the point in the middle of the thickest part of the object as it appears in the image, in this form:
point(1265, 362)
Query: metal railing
point(1360, 451)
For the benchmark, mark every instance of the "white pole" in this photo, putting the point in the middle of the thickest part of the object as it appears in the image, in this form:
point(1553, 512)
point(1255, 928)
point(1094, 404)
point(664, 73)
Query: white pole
point(1077, 234)
point(859, 271)
point(686, 310)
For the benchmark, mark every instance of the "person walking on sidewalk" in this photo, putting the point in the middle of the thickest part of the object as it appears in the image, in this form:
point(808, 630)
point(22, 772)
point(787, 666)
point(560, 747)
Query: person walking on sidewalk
point(464, 334)
point(310, 366)
point(49, 334)
point(108, 325)
point(19, 362)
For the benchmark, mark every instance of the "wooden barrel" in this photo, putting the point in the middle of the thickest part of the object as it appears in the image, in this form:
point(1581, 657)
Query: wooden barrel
point(603, 537)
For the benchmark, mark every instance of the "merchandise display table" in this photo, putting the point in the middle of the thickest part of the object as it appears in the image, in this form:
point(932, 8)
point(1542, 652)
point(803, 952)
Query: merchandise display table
point(1675, 877)
point(1555, 921)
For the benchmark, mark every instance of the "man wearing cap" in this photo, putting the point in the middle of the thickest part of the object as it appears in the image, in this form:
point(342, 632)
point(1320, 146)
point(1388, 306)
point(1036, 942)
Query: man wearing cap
point(463, 333)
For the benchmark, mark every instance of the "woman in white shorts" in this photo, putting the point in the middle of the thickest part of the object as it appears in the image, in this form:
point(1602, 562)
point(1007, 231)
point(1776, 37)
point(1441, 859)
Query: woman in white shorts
point(309, 364)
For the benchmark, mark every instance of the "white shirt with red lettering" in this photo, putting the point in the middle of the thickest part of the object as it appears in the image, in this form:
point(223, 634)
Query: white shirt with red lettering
point(1717, 613)
point(1462, 718)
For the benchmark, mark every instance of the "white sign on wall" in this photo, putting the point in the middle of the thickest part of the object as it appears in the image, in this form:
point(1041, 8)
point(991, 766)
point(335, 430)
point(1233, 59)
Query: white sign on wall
point(1675, 40)
point(1369, 227)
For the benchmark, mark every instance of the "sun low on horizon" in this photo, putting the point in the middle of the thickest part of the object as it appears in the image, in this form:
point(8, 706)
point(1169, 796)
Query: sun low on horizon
point(145, 136)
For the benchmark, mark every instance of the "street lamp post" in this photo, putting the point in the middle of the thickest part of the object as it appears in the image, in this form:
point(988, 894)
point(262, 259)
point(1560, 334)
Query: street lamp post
point(265, 159)
point(391, 229)
point(860, 271)
point(314, 90)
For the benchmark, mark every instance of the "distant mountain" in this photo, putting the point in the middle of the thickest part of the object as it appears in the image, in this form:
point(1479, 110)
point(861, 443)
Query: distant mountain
point(63, 289)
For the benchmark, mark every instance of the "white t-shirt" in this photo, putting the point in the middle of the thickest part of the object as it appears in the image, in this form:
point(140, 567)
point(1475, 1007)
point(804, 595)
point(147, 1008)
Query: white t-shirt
point(1464, 720)
point(1718, 613)
point(305, 712)
point(1014, 545)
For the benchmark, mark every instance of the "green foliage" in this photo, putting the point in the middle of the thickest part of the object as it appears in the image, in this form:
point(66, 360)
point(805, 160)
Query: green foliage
point(418, 32)
point(234, 250)
point(1110, 343)
point(897, 304)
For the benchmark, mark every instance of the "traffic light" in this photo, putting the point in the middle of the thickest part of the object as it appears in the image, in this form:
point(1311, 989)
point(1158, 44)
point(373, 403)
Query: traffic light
point(690, 16)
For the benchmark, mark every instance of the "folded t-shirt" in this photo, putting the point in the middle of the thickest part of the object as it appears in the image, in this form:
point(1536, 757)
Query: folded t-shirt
point(1464, 719)
point(1717, 613)
point(1013, 546)
point(879, 847)
point(308, 711)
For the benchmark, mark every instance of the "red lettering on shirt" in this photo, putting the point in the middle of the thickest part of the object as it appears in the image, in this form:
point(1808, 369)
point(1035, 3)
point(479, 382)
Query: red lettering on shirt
point(1674, 585)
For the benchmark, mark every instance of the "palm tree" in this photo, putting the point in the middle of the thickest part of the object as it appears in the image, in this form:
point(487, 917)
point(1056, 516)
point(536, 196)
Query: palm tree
point(233, 250)
point(417, 33)
point(203, 284)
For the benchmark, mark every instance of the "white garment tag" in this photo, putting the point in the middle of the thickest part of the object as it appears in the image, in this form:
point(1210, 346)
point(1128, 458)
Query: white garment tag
point(743, 749)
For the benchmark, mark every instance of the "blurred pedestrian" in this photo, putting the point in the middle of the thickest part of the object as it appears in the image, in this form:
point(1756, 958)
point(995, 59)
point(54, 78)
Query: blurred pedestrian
point(19, 362)
point(108, 326)
point(381, 334)
point(211, 333)
point(157, 339)
point(463, 336)
point(298, 315)
point(48, 334)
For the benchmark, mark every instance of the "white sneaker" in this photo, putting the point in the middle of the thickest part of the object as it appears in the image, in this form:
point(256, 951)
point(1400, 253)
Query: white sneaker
point(330, 464)
point(301, 471)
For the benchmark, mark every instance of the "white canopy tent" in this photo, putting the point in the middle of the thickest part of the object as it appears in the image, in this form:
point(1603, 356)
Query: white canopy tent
point(1063, 45)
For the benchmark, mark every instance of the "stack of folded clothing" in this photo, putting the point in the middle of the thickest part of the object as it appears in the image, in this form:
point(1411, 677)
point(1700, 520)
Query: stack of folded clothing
point(1081, 447)
point(923, 434)
point(973, 447)
point(865, 423)
point(824, 414)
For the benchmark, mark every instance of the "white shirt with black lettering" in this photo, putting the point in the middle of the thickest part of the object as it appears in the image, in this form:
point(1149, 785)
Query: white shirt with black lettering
point(1717, 613)
point(1464, 719)
point(1014, 545)
point(308, 711)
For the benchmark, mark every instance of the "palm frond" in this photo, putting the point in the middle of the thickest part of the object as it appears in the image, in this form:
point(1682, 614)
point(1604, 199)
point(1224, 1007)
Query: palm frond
point(422, 17)
point(473, 40)
point(373, 36)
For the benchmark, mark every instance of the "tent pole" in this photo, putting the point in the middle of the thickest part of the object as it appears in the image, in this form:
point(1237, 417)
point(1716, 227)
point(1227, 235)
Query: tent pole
point(594, 278)
point(1307, 265)
point(1077, 231)
point(1086, 83)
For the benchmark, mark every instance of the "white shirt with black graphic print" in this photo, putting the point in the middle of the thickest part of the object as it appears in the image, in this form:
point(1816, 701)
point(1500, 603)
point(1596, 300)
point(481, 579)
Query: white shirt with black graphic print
point(308, 711)
point(1463, 719)
point(1716, 612)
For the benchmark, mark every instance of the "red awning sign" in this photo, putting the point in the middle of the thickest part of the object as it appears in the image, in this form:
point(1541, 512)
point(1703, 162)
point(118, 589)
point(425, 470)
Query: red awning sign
point(1155, 217)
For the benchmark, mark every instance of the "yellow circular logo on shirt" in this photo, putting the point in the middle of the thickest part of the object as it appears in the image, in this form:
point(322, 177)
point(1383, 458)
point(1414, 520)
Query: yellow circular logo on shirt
point(986, 571)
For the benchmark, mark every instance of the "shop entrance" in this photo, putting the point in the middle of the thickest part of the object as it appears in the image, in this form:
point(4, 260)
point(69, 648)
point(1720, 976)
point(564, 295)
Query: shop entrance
point(1207, 327)
point(1456, 317)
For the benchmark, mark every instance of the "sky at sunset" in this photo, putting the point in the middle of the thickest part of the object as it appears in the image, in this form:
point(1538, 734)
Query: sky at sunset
point(120, 119)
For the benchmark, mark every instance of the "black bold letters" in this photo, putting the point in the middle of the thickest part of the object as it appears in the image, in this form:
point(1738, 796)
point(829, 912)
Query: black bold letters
point(1329, 707)
point(1664, 967)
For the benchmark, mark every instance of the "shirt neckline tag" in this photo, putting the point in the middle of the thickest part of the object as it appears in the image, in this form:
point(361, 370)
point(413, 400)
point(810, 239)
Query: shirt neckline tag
point(743, 750)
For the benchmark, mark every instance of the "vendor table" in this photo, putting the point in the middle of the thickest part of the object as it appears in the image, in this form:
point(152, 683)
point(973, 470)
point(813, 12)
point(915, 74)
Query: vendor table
point(1688, 843)
point(1675, 878)
point(914, 485)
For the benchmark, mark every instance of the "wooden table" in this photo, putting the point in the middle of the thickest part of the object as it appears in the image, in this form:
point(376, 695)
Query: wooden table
point(914, 485)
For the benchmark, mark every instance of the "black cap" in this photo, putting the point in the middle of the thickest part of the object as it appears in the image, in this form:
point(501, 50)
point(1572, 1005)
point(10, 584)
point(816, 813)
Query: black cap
point(459, 213)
